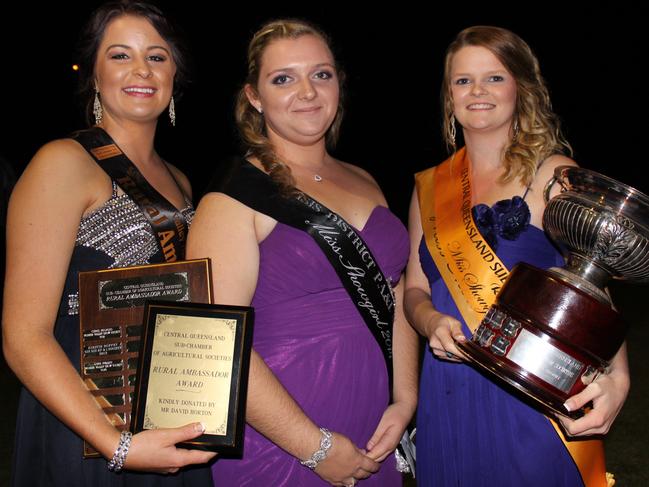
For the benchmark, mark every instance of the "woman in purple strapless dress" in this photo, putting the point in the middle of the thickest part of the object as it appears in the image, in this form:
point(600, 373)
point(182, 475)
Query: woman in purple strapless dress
point(471, 431)
point(318, 379)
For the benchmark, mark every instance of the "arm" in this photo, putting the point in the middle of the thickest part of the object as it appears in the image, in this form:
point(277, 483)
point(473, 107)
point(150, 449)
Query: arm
point(228, 232)
point(441, 330)
point(405, 352)
point(58, 186)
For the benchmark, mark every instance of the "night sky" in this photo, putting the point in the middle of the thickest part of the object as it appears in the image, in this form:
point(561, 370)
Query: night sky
point(393, 58)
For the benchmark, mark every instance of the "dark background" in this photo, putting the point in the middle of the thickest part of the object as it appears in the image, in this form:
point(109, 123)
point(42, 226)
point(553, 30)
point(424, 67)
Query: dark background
point(593, 59)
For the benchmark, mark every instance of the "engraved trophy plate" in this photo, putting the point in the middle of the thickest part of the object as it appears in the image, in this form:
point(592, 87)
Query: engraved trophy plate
point(550, 333)
point(111, 306)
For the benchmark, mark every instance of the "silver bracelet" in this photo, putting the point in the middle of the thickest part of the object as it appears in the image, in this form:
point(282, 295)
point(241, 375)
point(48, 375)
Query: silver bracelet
point(119, 457)
point(325, 444)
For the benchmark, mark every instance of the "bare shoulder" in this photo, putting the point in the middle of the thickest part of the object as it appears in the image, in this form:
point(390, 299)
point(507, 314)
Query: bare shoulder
point(221, 216)
point(220, 210)
point(365, 184)
point(360, 172)
point(183, 181)
point(63, 163)
point(546, 171)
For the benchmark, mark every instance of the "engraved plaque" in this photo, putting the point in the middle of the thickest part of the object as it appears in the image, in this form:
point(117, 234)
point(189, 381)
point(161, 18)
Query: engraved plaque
point(194, 367)
point(545, 361)
point(111, 306)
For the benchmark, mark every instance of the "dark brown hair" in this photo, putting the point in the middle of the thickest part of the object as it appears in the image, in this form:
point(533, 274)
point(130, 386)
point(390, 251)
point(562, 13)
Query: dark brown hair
point(93, 33)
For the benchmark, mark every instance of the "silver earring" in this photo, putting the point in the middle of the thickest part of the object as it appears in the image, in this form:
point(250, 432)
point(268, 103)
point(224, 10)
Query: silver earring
point(97, 110)
point(260, 110)
point(452, 130)
point(172, 112)
point(516, 129)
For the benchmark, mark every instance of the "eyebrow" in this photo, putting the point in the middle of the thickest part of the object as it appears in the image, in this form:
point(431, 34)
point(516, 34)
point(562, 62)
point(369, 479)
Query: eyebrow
point(317, 66)
point(497, 71)
point(150, 48)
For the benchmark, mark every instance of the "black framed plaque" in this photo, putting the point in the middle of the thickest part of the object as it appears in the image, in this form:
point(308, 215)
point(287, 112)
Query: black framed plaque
point(194, 367)
point(111, 307)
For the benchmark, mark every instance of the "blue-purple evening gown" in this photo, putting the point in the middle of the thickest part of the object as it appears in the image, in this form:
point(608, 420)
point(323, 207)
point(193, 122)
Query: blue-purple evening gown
point(470, 431)
point(313, 338)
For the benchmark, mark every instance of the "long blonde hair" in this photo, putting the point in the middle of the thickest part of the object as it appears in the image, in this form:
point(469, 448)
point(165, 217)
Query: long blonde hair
point(251, 123)
point(537, 133)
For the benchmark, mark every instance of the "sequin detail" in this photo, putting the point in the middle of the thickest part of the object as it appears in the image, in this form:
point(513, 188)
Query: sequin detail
point(73, 304)
point(119, 229)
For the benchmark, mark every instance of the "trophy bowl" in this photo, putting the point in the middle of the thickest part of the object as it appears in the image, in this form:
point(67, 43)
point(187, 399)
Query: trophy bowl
point(551, 333)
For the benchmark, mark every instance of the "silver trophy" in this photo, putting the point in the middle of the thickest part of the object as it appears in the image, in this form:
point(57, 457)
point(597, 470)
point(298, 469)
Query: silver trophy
point(550, 333)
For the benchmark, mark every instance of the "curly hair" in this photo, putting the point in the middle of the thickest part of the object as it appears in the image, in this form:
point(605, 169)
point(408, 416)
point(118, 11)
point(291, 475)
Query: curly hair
point(537, 134)
point(250, 122)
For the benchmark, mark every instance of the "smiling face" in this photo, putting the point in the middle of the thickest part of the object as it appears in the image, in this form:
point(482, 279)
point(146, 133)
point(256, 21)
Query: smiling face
point(483, 91)
point(134, 70)
point(297, 90)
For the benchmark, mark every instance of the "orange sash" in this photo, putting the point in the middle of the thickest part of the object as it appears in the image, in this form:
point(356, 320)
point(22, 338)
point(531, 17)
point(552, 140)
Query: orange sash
point(474, 274)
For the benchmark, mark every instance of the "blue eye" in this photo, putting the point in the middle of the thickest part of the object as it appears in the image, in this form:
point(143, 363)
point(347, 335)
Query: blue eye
point(282, 79)
point(323, 75)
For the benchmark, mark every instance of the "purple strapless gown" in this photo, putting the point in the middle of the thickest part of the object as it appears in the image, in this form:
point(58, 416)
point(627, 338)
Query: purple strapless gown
point(470, 431)
point(310, 334)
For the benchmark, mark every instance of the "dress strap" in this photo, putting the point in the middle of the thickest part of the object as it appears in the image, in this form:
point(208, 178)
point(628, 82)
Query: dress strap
point(530, 185)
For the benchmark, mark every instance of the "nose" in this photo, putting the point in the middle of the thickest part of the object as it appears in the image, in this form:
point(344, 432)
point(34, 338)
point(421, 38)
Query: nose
point(143, 69)
point(478, 89)
point(306, 92)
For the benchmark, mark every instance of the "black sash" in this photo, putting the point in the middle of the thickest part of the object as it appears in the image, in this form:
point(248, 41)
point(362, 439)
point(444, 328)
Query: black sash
point(169, 226)
point(346, 251)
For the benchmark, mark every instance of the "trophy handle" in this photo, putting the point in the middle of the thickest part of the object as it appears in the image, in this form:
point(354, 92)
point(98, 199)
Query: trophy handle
point(548, 188)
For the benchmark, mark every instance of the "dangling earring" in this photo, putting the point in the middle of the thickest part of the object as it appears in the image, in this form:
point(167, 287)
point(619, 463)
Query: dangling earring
point(516, 130)
point(97, 110)
point(172, 112)
point(452, 131)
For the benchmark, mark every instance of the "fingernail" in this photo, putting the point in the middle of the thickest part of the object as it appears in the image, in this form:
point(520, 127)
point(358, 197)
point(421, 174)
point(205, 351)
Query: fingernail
point(567, 406)
point(460, 338)
point(199, 427)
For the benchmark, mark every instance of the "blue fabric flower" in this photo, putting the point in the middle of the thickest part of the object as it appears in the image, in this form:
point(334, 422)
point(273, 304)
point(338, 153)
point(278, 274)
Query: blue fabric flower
point(513, 216)
point(485, 219)
point(506, 218)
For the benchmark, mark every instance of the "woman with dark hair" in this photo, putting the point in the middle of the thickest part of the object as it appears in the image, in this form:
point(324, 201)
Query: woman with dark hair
point(320, 279)
point(67, 214)
point(470, 430)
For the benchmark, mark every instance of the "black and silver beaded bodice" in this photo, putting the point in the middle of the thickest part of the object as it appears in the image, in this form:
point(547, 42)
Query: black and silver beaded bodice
point(116, 234)
point(119, 229)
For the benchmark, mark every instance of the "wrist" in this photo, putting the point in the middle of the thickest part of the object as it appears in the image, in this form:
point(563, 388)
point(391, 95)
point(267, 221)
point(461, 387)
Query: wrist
point(326, 440)
point(116, 463)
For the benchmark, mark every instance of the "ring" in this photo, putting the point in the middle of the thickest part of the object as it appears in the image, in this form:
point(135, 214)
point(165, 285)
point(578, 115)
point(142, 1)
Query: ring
point(449, 355)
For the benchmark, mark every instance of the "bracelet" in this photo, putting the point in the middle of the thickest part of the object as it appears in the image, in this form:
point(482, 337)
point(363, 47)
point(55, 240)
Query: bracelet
point(325, 444)
point(119, 457)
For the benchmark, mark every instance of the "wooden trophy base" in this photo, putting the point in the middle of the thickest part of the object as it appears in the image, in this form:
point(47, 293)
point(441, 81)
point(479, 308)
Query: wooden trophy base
point(546, 338)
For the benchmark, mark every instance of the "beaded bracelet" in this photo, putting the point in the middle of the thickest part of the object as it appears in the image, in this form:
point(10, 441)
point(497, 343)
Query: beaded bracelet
point(325, 444)
point(119, 457)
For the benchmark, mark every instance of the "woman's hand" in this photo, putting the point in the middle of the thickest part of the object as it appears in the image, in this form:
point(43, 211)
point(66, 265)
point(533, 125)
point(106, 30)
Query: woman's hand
point(345, 464)
point(443, 331)
point(608, 393)
point(156, 451)
point(389, 431)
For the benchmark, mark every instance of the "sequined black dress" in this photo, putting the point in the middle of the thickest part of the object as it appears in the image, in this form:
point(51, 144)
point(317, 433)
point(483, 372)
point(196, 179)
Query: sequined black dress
point(46, 452)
